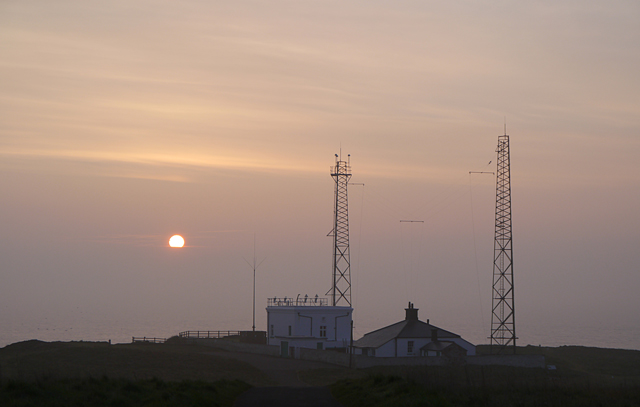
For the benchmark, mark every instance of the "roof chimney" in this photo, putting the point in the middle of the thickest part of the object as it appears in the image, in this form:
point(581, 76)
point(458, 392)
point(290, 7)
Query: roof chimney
point(412, 313)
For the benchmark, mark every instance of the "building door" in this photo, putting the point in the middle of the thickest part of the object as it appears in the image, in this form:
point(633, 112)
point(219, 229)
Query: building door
point(284, 349)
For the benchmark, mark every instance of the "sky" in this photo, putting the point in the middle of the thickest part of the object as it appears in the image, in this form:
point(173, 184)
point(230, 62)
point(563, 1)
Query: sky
point(125, 122)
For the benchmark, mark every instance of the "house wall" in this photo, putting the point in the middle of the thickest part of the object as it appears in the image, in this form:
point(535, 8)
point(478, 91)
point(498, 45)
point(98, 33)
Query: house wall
point(388, 350)
point(471, 349)
point(309, 325)
point(403, 346)
point(400, 347)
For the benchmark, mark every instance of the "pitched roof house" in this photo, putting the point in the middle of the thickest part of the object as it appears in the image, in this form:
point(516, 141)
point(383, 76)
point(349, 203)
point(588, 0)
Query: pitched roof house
point(412, 337)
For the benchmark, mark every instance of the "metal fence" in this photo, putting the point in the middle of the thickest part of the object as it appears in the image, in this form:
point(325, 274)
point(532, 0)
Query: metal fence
point(149, 340)
point(208, 334)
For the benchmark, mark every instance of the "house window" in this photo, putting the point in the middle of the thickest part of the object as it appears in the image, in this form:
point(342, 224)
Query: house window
point(323, 331)
point(410, 348)
point(272, 331)
point(289, 330)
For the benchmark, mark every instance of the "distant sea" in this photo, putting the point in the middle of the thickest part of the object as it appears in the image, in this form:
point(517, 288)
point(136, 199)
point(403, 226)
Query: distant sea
point(579, 335)
point(122, 331)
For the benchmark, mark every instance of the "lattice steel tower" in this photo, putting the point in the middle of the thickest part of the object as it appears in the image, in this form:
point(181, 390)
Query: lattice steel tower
point(341, 289)
point(503, 317)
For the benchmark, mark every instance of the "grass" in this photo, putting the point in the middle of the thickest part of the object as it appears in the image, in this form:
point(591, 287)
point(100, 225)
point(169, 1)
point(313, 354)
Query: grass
point(581, 363)
point(328, 376)
point(35, 360)
point(119, 392)
point(387, 390)
point(35, 373)
point(583, 377)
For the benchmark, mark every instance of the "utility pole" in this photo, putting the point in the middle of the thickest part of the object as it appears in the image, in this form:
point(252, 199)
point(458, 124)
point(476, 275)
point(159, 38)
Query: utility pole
point(254, 279)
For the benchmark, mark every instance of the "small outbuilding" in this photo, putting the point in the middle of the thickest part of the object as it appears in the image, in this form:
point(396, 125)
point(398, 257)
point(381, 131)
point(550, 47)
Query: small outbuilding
point(413, 337)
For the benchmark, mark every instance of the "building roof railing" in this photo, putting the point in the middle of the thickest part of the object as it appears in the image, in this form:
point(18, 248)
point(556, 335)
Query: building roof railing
point(305, 301)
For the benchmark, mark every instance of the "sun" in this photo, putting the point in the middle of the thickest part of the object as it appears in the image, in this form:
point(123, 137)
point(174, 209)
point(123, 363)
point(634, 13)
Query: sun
point(176, 241)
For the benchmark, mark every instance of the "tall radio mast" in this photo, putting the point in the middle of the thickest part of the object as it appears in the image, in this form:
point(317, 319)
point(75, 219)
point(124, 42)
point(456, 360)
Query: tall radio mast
point(341, 289)
point(503, 317)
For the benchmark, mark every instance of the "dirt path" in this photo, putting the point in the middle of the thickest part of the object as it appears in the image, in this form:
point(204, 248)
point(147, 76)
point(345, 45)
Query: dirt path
point(287, 397)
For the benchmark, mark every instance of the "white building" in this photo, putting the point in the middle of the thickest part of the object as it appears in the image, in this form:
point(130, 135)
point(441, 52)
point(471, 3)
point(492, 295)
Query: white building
point(307, 323)
point(412, 337)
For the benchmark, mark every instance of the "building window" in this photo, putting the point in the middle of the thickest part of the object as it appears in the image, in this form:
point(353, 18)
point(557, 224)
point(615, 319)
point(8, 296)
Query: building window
point(272, 331)
point(289, 330)
point(410, 348)
point(323, 331)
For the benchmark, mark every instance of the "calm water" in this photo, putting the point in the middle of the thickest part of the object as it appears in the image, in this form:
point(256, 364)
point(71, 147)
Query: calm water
point(122, 330)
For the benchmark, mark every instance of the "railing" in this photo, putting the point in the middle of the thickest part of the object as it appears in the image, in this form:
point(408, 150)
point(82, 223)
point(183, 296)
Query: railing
point(305, 301)
point(208, 334)
point(148, 340)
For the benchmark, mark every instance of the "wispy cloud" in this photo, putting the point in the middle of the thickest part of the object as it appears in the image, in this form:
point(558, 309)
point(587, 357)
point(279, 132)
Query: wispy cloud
point(157, 166)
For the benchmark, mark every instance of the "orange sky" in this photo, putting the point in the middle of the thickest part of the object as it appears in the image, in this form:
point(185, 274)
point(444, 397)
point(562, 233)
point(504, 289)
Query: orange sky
point(125, 122)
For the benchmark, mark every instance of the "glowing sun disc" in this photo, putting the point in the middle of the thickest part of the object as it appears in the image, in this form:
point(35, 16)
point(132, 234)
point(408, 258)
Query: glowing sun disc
point(176, 241)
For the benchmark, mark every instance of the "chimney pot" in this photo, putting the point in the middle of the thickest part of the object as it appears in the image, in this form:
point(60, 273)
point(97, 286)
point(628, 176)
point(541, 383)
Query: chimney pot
point(411, 313)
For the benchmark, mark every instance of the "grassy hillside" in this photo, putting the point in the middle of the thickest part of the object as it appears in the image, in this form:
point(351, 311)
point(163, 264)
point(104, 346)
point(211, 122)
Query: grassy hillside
point(35, 373)
point(391, 391)
point(586, 363)
point(119, 393)
point(89, 373)
point(35, 360)
point(582, 377)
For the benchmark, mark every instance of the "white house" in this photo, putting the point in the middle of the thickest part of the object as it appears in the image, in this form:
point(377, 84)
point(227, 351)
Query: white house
point(307, 322)
point(412, 337)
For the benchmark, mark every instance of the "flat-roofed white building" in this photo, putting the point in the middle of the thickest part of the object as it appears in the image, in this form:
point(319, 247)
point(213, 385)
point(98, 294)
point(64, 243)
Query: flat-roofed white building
point(307, 322)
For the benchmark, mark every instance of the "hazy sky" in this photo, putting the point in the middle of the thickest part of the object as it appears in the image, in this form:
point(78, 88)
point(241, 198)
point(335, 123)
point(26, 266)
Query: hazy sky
point(124, 122)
